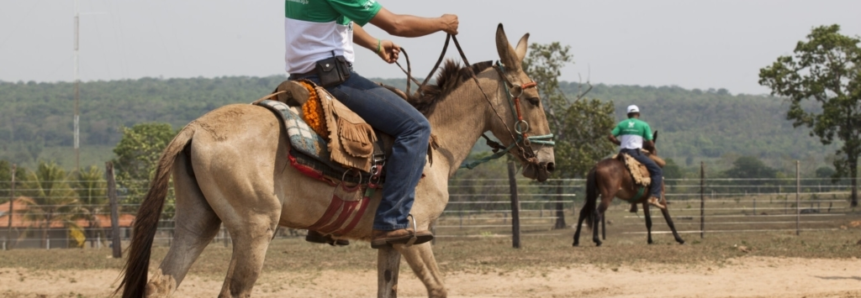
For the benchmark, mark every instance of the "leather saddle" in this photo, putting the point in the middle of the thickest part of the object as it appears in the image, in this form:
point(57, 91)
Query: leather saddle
point(335, 143)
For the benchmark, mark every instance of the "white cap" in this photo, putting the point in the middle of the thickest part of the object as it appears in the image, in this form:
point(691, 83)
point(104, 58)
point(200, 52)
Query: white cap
point(633, 109)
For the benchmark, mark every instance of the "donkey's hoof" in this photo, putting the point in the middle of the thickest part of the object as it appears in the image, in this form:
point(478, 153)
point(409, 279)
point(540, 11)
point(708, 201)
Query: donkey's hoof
point(575, 244)
point(681, 242)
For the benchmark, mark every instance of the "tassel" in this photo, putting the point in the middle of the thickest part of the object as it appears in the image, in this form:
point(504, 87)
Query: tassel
point(357, 139)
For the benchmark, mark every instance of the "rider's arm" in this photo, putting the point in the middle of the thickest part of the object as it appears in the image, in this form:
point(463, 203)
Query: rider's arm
point(413, 26)
point(387, 50)
point(613, 139)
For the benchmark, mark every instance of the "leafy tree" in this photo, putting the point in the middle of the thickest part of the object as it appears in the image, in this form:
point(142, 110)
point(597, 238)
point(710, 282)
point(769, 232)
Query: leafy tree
point(92, 196)
point(588, 122)
point(137, 156)
point(825, 69)
point(49, 198)
point(579, 126)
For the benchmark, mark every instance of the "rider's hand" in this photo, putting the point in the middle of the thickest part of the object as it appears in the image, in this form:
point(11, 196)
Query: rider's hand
point(450, 23)
point(389, 51)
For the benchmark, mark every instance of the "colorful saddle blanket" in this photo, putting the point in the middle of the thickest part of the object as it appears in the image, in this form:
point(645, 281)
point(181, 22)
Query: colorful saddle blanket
point(309, 151)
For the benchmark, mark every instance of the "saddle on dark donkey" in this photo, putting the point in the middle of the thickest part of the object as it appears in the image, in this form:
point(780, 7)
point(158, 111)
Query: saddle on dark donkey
point(640, 174)
point(329, 142)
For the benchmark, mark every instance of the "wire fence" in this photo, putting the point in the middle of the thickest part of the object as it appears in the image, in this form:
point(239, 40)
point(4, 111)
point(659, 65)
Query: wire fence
point(478, 208)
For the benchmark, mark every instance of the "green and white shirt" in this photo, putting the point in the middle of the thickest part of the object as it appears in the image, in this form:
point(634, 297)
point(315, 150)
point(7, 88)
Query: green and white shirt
point(315, 28)
point(633, 132)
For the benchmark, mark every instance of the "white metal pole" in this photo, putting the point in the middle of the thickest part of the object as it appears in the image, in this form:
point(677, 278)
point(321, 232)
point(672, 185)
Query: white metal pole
point(77, 90)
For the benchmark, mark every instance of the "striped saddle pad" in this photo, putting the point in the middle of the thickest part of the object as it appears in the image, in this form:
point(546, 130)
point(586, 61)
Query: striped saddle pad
point(309, 152)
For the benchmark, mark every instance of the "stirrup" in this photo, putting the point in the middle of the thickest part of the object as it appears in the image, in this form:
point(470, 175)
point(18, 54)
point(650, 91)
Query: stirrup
point(413, 237)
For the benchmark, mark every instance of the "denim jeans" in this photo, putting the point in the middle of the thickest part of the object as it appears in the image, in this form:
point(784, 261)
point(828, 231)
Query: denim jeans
point(391, 114)
point(654, 170)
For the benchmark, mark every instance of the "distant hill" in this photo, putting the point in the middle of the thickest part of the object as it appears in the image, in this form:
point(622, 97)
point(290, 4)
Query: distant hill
point(36, 118)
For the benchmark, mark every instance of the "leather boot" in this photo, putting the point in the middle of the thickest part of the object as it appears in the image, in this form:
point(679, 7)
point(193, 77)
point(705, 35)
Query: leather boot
point(401, 236)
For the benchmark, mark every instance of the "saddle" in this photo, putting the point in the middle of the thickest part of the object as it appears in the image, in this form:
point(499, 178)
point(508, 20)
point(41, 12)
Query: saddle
point(328, 140)
point(639, 172)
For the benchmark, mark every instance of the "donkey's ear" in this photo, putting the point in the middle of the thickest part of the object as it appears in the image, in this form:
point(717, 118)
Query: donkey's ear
point(522, 45)
point(655, 136)
point(506, 52)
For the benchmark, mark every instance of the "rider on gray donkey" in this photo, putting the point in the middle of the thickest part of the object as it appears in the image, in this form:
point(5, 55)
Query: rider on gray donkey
point(321, 33)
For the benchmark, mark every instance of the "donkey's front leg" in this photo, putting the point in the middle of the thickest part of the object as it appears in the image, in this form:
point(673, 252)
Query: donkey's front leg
point(421, 260)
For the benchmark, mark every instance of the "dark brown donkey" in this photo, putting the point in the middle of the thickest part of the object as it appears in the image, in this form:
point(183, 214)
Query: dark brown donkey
point(613, 180)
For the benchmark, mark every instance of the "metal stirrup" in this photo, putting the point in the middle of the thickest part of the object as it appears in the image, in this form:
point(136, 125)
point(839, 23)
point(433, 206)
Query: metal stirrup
point(415, 230)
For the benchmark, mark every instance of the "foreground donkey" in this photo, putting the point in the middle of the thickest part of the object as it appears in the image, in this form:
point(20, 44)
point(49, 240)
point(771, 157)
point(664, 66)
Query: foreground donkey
point(231, 166)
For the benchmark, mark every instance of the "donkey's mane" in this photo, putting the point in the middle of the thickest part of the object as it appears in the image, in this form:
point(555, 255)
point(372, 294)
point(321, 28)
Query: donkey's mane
point(452, 75)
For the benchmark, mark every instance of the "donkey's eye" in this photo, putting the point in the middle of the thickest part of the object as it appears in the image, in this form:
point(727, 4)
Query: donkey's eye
point(534, 101)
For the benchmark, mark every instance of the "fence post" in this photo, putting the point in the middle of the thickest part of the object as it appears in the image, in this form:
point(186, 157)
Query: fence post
point(797, 195)
point(11, 209)
point(702, 199)
point(754, 206)
point(515, 207)
point(115, 221)
point(560, 210)
point(460, 213)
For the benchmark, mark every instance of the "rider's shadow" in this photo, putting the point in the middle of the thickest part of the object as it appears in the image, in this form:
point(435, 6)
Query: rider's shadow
point(858, 278)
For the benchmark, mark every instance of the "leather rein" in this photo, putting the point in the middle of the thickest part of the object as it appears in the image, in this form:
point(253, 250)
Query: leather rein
point(522, 140)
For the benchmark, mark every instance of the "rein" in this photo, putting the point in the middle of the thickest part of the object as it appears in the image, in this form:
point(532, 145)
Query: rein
point(522, 140)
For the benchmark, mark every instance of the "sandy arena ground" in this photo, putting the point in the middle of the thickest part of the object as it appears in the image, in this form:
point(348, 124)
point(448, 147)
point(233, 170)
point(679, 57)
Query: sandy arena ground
point(742, 277)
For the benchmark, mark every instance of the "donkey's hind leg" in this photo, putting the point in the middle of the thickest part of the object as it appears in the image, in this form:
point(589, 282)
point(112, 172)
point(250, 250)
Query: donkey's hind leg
point(584, 214)
point(421, 260)
point(647, 214)
point(196, 224)
point(599, 213)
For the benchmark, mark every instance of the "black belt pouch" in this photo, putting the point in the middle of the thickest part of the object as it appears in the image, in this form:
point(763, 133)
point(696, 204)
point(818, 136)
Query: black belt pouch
point(333, 71)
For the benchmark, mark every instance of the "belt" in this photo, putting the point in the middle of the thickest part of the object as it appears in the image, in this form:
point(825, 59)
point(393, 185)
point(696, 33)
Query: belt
point(313, 72)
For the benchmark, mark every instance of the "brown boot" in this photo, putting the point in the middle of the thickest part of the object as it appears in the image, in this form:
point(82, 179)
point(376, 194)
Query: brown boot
point(381, 239)
point(654, 201)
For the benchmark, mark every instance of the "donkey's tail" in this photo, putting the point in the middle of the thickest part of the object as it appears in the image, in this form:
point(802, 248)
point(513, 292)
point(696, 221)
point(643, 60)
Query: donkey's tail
point(146, 222)
point(591, 197)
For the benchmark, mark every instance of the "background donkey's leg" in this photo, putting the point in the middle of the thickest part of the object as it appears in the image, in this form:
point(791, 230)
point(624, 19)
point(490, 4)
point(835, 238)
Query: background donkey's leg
point(195, 226)
point(584, 214)
point(648, 216)
point(666, 213)
point(421, 260)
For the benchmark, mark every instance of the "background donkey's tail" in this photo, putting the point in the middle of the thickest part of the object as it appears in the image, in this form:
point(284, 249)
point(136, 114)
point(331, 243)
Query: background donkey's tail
point(591, 197)
point(146, 222)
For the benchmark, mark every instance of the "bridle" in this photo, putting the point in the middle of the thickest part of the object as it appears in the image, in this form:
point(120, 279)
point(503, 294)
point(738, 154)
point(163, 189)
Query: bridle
point(522, 139)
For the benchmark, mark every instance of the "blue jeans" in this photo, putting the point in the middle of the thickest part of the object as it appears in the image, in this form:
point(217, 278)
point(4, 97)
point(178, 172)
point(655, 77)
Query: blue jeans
point(391, 114)
point(654, 170)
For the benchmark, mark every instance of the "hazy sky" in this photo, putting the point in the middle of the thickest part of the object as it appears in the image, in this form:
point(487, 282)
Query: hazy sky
point(693, 44)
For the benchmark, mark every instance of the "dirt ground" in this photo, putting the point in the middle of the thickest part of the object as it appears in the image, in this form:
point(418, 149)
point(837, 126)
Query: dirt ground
point(737, 277)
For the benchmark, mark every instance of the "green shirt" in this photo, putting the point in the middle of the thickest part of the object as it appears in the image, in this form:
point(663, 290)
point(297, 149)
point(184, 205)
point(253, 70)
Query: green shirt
point(315, 29)
point(633, 132)
point(339, 11)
